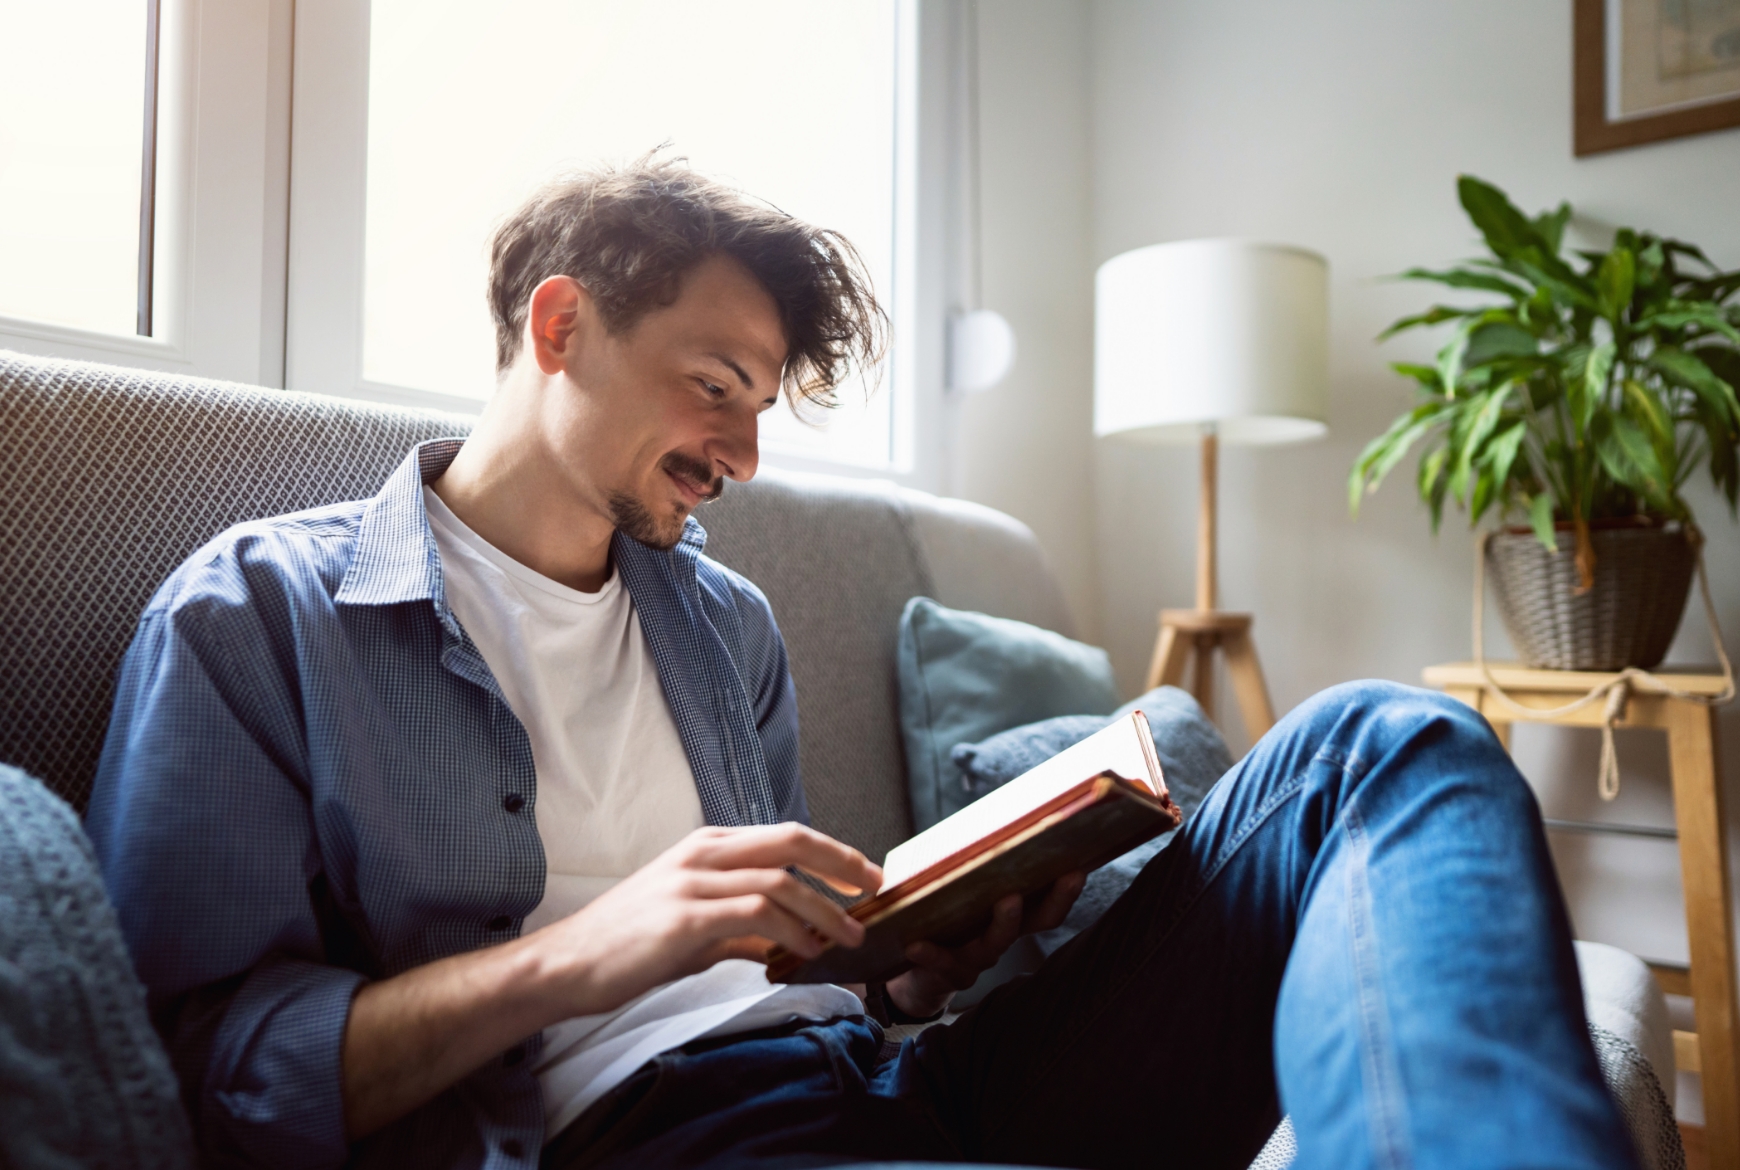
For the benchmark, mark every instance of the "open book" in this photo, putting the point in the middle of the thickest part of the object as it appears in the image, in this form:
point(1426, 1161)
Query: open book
point(1086, 805)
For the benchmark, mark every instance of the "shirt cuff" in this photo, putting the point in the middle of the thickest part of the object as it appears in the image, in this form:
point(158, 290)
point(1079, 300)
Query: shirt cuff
point(275, 1083)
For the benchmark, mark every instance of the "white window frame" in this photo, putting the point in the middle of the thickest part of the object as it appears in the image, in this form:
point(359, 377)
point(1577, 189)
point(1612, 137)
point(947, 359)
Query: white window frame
point(258, 263)
point(328, 192)
point(222, 165)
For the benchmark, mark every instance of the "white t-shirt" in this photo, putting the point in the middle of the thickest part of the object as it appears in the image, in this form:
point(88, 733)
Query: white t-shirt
point(614, 791)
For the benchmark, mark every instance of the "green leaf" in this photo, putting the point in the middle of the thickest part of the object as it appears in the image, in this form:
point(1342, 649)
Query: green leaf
point(1481, 498)
point(1683, 369)
point(1721, 361)
point(1720, 437)
point(1507, 230)
point(1468, 445)
point(1501, 453)
point(1647, 410)
point(1625, 451)
point(1541, 520)
point(1463, 278)
point(1681, 248)
point(1551, 225)
point(1433, 483)
point(1497, 461)
point(1586, 392)
point(1554, 275)
point(1450, 363)
point(1498, 339)
point(1427, 376)
point(1614, 282)
point(1437, 314)
point(1677, 316)
point(1383, 453)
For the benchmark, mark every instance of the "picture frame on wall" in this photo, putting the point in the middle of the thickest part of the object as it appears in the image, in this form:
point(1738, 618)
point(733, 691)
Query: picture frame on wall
point(1645, 70)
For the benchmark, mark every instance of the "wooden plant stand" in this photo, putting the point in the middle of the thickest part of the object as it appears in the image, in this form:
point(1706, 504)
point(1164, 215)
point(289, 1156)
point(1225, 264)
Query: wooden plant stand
point(1714, 1050)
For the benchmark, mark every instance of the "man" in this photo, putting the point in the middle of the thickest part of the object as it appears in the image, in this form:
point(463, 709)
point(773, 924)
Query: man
point(447, 827)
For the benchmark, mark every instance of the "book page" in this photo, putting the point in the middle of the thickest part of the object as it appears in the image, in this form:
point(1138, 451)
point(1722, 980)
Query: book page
point(1125, 747)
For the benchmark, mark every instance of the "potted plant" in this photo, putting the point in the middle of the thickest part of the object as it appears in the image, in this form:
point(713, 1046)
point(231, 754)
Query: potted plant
point(1577, 405)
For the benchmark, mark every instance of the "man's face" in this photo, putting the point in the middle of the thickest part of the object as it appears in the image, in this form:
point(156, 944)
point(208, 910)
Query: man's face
point(660, 415)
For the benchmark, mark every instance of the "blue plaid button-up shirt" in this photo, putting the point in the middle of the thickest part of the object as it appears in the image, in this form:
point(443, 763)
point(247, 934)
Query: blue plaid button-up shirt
point(312, 779)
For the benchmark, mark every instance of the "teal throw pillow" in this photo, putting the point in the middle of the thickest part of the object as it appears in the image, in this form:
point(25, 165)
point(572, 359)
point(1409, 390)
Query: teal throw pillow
point(967, 676)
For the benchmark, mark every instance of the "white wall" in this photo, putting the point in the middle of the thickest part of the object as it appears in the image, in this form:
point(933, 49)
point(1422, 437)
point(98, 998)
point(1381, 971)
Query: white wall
point(1342, 125)
point(1025, 447)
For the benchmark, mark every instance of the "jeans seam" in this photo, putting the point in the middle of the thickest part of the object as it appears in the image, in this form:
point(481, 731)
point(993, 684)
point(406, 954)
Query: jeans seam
point(1386, 1103)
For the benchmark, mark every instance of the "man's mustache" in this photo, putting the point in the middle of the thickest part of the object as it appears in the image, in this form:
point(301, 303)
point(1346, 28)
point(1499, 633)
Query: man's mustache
point(694, 472)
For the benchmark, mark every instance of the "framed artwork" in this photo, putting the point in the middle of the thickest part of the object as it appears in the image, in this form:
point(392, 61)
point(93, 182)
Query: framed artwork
point(1652, 69)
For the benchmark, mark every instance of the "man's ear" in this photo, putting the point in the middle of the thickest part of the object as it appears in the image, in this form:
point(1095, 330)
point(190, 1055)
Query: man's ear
point(555, 322)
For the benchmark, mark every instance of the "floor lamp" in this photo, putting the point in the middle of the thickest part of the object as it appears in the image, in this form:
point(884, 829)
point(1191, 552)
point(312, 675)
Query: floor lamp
point(1216, 341)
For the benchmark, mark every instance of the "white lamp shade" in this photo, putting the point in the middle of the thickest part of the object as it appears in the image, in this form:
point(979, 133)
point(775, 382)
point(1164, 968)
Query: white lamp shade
point(1229, 332)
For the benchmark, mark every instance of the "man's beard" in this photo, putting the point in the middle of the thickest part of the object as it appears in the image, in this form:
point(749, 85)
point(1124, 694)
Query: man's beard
point(634, 519)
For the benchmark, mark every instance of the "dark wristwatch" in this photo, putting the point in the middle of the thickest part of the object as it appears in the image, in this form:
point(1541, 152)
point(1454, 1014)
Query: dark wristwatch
point(886, 1012)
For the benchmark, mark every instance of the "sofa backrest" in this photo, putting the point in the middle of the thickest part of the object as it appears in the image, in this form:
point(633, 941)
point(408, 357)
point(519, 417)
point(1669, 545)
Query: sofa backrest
point(110, 477)
point(838, 559)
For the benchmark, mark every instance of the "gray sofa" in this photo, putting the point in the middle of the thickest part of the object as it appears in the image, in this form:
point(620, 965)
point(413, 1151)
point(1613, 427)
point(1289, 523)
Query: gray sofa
point(109, 477)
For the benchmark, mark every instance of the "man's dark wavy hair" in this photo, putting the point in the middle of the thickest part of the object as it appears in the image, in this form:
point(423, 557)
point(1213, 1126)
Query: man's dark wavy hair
point(629, 234)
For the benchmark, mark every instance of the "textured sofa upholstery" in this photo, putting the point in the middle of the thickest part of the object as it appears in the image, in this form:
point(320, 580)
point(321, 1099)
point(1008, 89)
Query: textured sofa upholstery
point(110, 477)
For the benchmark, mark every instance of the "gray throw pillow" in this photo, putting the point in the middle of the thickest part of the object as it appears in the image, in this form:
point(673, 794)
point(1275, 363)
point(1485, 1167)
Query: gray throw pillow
point(966, 676)
point(1192, 753)
point(1193, 756)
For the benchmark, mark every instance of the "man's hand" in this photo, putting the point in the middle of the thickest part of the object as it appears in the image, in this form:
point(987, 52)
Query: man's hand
point(716, 894)
point(938, 972)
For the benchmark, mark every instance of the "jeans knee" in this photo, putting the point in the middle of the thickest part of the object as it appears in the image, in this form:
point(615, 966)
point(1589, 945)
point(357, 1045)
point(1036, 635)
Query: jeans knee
point(1372, 718)
point(1381, 701)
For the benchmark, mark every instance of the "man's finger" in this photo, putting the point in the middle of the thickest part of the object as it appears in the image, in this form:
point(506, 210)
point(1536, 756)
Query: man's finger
point(755, 914)
point(1055, 906)
point(791, 895)
point(777, 846)
point(942, 965)
point(961, 966)
point(1005, 926)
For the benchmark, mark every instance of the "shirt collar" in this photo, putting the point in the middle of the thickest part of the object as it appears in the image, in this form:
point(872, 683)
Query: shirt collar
point(396, 559)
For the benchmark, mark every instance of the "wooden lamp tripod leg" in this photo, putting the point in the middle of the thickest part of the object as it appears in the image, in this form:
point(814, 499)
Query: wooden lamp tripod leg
point(1204, 631)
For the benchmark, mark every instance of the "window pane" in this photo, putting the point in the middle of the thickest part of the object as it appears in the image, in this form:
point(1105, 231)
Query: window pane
point(72, 92)
point(471, 106)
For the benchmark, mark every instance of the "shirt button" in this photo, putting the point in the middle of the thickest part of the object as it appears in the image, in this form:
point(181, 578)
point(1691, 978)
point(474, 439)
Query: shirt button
point(500, 922)
point(513, 1149)
point(513, 802)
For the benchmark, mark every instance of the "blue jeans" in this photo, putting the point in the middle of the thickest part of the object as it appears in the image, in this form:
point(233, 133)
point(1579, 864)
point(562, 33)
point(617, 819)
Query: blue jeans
point(1360, 926)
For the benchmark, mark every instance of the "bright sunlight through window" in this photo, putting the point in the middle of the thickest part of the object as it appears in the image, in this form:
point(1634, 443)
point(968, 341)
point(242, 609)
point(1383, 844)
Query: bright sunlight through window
point(72, 110)
point(472, 106)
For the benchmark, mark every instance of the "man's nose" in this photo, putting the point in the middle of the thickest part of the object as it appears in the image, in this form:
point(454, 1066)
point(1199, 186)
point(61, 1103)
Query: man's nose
point(737, 448)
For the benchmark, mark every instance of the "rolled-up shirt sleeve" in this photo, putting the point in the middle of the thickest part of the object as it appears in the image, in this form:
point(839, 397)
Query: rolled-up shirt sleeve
point(201, 817)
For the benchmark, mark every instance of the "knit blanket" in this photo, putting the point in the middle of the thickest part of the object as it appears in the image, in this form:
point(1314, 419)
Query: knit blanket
point(84, 1082)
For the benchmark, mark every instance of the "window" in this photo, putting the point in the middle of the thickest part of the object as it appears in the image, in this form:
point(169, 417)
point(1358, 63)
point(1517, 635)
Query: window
point(469, 107)
point(359, 270)
point(73, 81)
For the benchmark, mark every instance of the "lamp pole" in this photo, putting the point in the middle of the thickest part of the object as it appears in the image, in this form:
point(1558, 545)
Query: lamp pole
point(1193, 637)
point(1205, 520)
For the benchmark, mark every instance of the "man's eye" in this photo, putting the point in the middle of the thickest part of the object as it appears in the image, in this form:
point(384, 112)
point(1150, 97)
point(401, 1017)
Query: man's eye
point(710, 388)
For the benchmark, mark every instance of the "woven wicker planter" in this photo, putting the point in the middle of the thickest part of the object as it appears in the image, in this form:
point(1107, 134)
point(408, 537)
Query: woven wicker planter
point(1643, 574)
